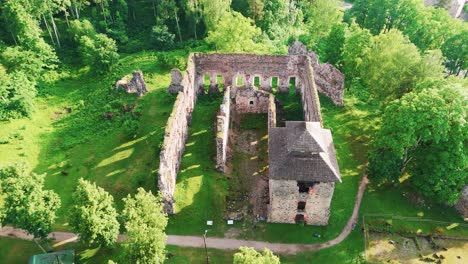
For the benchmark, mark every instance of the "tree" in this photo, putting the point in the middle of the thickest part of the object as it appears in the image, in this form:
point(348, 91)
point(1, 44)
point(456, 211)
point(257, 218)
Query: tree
point(93, 216)
point(235, 33)
point(26, 32)
point(392, 66)
point(256, 9)
point(26, 204)
point(214, 11)
point(357, 41)
point(423, 135)
point(455, 49)
point(145, 222)
point(281, 19)
point(333, 46)
point(251, 256)
point(96, 50)
point(320, 17)
point(17, 94)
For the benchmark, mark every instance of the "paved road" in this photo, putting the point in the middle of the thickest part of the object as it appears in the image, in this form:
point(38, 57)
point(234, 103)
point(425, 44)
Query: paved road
point(219, 243)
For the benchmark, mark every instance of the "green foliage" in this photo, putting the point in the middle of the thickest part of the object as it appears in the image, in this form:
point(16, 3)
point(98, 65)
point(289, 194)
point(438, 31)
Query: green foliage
point(334, 45)
point(281, 20)
point(392, 66)
point(356, 43)
point(97, 50)
point(130, 125)
point(455, 49)
point(249, 255)
point(320, 16)
point(17, 94)
point(26, 204)
point(427, 27)
point(424, 135)
point(93, 216)
point(145, 222)
point(161, 38)
point(214, 12)
point(235, 33)
point(172, 60)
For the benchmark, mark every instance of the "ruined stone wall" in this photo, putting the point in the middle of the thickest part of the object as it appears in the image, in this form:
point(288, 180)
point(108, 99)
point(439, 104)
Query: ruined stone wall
point(309, 95)
point(271, 111)
point(247, 66)
point(249, 100)
point(329, 80)
point(222, 130)
point(285, 196)
point(462, 203)
point(175, 135)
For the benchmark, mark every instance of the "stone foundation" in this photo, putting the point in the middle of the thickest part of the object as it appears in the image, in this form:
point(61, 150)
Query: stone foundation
point(285, 197)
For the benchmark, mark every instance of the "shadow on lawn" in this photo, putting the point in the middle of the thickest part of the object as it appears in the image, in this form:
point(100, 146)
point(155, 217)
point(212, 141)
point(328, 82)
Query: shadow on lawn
point(85, 144)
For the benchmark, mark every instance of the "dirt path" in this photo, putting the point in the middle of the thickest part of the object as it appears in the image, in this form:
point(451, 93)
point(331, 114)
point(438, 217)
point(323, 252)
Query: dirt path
point(219, 243)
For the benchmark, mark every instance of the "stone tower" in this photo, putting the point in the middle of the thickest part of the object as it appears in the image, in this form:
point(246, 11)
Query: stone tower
point(302, 173)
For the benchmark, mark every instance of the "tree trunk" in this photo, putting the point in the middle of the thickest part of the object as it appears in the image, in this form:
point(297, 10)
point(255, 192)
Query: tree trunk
point(54, 26)
point(104, 13)
point(177, 23)
point(154, 10)
point(48, 29)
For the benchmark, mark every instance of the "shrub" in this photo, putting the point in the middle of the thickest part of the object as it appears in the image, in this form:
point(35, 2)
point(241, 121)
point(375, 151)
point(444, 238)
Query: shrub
point(161, 38)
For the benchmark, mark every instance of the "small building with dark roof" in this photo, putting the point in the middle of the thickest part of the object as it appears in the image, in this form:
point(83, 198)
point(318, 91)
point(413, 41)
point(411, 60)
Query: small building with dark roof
point(302, 173)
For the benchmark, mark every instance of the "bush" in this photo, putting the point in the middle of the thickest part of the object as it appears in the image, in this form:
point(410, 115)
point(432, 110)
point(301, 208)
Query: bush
point(130, 125)
point(161, 38)
point(169, 60)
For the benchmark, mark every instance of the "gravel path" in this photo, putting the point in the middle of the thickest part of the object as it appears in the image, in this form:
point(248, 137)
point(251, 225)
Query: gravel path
point(219, 243)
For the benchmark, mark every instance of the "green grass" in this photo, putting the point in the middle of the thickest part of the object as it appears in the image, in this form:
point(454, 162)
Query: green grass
point(14, 251)
point(68, 146)
point(200, 190)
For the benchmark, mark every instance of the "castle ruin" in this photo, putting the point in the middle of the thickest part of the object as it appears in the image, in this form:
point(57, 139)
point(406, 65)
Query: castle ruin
point(302, 160)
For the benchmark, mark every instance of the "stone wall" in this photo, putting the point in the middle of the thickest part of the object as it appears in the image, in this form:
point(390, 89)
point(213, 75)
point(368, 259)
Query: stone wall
point(175, 135)
point(329, 80)
point(285, 196)
point(265, 67)
point(462, 203)
point(271, 111)
point(249, 100)
point(222, 130)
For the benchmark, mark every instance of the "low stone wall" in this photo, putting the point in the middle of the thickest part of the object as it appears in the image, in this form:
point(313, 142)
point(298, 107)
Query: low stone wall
point(175, 136)
point(285, 196)
point(271, 111)
point(250, 100)
point(222, 131)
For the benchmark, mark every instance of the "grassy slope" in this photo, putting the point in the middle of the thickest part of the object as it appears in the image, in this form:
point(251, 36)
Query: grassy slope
point(83, 143)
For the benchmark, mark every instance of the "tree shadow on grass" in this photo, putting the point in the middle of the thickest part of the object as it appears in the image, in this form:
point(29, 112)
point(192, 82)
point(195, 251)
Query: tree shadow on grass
point(85, 144)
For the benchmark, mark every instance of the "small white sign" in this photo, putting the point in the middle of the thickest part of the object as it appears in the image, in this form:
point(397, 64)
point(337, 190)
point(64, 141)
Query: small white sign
point(230, 222)
point(209, 222)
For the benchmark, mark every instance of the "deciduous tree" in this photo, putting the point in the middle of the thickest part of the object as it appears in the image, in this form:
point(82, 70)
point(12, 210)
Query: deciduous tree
point(424, 135)
point(93, 216)
point(145, 222)
point(249, 255)
point(26, 204)
point(235, 33)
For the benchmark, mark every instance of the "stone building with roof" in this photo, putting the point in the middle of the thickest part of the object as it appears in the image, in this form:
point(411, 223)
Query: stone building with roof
point(302, 173)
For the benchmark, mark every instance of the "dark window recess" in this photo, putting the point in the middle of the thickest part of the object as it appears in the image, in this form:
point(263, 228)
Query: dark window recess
point(304, 186)
point(301, 206)
point(299, 219)
point(251, 102)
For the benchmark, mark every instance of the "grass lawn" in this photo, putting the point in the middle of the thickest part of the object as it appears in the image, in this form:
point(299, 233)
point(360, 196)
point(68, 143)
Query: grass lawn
point(67, 146)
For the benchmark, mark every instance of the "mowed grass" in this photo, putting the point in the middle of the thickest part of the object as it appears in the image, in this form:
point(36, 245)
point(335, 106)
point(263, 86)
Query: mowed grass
point(200, 190)
point(67, 146)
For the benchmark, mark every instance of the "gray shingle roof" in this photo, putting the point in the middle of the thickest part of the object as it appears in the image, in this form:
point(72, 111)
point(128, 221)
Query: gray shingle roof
point(302, 151)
